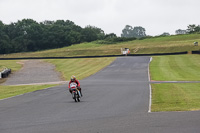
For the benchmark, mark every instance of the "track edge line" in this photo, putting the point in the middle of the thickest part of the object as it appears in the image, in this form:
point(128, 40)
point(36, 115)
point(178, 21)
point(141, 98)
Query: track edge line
point(150, 89)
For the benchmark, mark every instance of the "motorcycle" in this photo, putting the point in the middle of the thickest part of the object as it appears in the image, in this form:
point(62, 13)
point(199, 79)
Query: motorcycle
point(75, 92)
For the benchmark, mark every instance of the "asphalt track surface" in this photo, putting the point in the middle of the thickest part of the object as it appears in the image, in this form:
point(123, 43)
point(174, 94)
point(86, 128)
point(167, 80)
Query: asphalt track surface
point(116, 100)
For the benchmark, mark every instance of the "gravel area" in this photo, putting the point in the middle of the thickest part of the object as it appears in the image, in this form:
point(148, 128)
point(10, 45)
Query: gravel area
point(34, 71)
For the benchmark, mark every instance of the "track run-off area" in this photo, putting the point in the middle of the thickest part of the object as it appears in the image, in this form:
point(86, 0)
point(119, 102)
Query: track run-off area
point(115, 100)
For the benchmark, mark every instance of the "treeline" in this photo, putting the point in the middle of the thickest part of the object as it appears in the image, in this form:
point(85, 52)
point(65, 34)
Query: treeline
point(29, 35)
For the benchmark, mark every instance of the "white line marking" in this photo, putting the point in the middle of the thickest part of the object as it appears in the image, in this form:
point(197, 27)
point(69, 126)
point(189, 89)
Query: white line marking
point(150, 90)
point(150, 98)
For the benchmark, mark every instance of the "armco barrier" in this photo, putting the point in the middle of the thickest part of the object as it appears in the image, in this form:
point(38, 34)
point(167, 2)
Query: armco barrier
point(159, 54)
point(195, 52)
point(97, 56)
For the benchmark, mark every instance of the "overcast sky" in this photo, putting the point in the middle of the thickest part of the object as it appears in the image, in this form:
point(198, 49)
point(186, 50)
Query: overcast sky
point(156, 16)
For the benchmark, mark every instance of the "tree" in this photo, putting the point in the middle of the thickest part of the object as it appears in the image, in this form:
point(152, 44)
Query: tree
point(137, 32)
point(4, 40)
point(60, 33)
point(92, 33)
point(165, 34)
point(111, 35)
point(193, 29)
point(179, 32)
point(127, 31)
point(47, 22)
point(28, 35)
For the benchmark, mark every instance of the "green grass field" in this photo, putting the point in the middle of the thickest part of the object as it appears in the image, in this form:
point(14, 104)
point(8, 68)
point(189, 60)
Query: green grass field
point(175, 97)
point(175, 68)
point(81, 68)
point(168, 44)
point(12, 64)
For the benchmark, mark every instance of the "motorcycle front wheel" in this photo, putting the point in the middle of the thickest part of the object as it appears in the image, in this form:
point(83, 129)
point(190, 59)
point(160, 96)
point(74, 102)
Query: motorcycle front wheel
point(78, 96)
point(74, 96)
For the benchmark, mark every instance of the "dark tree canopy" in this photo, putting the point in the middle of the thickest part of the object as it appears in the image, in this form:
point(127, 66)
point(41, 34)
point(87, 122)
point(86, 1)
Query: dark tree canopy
point(111, 35)
point(28, 35)
point(92, 33)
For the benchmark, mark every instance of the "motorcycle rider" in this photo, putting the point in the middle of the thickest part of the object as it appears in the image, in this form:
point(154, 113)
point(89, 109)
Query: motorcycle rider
point(73, 79)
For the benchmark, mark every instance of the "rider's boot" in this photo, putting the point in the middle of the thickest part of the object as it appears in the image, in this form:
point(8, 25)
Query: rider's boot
point(81, 93)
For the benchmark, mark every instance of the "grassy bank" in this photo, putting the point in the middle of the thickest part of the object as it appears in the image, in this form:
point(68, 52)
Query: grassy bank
point(175, 97)
point(175, 68)
point(168, 44)
point(81, 68)
point(9, 91)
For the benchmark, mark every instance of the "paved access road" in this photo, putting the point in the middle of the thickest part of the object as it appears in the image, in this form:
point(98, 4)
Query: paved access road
point(116, 100)
point(34, 71)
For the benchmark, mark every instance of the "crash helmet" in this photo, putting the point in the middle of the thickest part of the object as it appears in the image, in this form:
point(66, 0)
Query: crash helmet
point(73, 78)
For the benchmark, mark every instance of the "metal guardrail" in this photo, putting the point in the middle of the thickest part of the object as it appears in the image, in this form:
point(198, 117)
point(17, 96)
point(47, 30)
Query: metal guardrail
point(97, 56)
point(196, 52)
point(100, 56)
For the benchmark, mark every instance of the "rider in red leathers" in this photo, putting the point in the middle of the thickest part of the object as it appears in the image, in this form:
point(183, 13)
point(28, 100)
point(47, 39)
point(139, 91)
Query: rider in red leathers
point(73, 79)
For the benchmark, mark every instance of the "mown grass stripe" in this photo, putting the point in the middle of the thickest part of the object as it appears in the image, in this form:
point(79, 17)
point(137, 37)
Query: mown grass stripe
point(81, 68)
point(175, 68)
point(175, 97)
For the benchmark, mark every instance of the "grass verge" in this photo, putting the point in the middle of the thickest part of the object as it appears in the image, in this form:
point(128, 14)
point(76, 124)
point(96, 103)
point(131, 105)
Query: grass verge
point(81, 68)
point(175, 97)
point(12, 64)
point(10, 91)
point(175, 68)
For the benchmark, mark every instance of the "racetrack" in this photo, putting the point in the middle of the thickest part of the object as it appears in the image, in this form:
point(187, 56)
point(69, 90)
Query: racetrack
point(115, 100)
